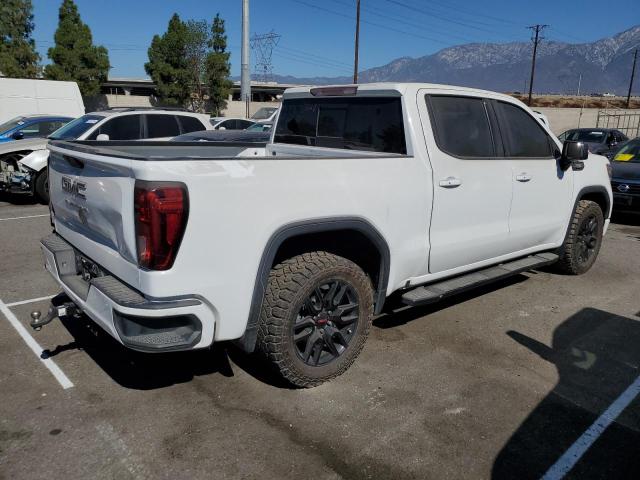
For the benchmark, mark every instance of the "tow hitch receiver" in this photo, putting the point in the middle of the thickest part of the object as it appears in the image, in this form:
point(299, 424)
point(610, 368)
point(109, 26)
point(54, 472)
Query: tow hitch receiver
point(66, 309)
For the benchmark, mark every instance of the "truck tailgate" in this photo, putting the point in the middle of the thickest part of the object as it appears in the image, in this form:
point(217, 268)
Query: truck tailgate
point(92, 203)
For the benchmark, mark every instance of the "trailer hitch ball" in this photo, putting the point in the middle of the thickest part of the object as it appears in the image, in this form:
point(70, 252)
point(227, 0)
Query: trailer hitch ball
point(66, 309)
point(37, 322)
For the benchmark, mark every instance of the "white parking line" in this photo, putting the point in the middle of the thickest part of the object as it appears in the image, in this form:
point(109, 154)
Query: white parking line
point(567, 461)
point(62, 379)
point(32, 300)
point(20, 218)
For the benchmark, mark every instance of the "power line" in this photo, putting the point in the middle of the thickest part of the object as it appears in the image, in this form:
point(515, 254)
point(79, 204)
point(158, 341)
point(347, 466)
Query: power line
point(310, 60)
point(385, 27)
point(406, 21)
point(314, 55)
point(441, 17)
point(537, 39)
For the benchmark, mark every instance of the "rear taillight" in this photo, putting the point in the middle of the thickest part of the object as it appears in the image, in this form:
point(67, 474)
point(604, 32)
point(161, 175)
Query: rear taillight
point(161, 211)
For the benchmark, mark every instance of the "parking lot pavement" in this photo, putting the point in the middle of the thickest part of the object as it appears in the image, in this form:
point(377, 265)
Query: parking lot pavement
point(513, 381)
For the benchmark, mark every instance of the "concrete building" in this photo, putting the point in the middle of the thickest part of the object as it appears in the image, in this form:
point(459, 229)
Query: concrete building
point(141, 92)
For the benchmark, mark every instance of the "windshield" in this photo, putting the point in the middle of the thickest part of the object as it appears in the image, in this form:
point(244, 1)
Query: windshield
point(11, 124)
point(590, 136)
point(629, 153)
point(264, 113)
point(75, 128)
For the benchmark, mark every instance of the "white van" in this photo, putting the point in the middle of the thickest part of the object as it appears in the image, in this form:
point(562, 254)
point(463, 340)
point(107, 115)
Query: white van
point(24, 96)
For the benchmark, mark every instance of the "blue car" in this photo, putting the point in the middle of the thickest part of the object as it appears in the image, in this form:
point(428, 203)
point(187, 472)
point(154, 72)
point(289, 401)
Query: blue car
point(31, 127)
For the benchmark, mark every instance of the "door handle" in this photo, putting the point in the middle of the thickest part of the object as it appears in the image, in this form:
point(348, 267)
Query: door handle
point(523, 177)
point(450, 182)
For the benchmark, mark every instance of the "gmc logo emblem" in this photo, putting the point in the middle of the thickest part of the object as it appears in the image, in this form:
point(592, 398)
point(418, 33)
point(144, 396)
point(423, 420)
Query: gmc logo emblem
point(74, 187)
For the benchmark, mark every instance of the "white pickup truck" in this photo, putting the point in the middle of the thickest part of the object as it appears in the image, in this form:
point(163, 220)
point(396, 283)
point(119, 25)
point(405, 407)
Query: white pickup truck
point(291, 248)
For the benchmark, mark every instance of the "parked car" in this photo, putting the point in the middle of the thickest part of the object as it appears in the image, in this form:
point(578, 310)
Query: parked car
point(260, 127)
point(420, 189)
point(23, 166)
point(265, 114)
point(28, 96)
point(222, 123)
point(245, 136)
point(625, 181)
point(33, 126)
point(601, 141)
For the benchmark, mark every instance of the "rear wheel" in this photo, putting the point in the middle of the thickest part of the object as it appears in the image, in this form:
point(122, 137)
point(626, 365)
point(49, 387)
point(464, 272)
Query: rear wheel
point(42, 186)
point(584, 239)
point(315, 317)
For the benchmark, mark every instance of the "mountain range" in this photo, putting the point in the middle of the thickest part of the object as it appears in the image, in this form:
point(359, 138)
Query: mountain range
point(605, 66)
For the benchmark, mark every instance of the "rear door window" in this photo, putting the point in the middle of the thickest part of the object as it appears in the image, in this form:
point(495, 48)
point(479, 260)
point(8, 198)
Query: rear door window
point(522, 134)
point(243, 124)
point(190, 124)
point(461, 126)
point(159, 126)
point(353, 123)
point(126, 127)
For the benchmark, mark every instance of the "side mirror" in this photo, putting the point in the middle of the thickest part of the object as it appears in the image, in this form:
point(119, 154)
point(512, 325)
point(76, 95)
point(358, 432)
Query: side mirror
point(19, 135)
point(103, 137)
point(221, 128)
point(573, 151)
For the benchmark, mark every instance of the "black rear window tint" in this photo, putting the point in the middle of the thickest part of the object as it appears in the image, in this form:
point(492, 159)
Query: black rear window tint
point(159, 126)
point(354, 123)
point(523, 136)
point(126, 127)
point(461, 126)
point(190, 124)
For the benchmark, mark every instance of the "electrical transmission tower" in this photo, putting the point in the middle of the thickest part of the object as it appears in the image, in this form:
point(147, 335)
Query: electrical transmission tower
point(537, 38)
point(263, 45)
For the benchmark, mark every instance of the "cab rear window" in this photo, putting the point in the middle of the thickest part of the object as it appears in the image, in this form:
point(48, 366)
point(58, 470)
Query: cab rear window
point(354, 123)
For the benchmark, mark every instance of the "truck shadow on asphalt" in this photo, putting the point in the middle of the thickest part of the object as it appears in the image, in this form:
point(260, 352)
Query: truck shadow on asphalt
point(597, 355)
point(145, 371)
point(18, 199)
point(136, 370)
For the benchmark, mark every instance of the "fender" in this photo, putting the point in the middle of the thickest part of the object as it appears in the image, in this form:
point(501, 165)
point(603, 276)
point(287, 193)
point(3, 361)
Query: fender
point(585, 191)
point(36, 160)
point(248, 340)
point(595, 189)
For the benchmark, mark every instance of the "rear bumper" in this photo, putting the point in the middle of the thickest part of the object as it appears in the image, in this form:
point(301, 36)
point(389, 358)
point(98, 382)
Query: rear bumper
point(136, 321)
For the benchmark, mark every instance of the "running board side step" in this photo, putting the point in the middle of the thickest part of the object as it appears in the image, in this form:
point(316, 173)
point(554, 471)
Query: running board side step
point(436, 291)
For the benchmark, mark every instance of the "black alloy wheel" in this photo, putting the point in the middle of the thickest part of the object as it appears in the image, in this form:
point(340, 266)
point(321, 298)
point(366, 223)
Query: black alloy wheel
point(587, 239)
point(326, 323)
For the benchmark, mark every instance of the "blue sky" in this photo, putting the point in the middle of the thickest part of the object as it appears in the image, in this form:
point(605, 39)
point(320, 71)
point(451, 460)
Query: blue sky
point(317, 35)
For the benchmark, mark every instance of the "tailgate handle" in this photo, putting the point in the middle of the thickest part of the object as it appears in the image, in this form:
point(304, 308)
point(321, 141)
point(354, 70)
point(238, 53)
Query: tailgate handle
point(74, 162)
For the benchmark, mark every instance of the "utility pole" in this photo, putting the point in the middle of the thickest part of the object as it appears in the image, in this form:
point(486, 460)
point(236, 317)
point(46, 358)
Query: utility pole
point(355, 60)
point(537, 29)
point(579, 82)
point(633, 72)
point(245, 75)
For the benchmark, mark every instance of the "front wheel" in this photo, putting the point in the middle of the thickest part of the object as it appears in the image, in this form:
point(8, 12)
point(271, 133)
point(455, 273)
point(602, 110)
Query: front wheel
point(584, 239)
point(315, 317)
point(42, 186)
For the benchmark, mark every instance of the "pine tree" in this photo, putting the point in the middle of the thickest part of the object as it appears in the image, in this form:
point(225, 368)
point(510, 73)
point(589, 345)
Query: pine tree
point(218, 67)
point(168, 65)
point(74, 57)
point(18, 56)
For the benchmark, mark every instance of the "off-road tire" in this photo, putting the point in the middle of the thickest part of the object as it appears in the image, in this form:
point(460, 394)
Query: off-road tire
point(289, 285)
point(569, 261)
point(42, 187)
